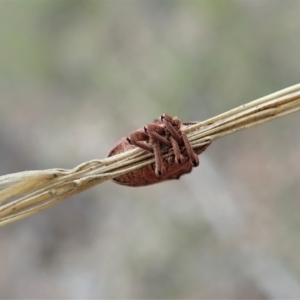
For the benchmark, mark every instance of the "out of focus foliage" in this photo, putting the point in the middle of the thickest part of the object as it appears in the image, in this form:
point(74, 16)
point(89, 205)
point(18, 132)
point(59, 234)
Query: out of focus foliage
point(76, 76)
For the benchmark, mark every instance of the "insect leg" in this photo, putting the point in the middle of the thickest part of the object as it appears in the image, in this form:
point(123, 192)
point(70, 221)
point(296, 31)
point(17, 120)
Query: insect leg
point(157, 132)
point(191, 153)
point(138, 138)
point(160, 168)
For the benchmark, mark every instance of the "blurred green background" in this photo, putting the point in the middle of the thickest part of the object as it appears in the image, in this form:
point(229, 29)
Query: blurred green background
point(76, 76)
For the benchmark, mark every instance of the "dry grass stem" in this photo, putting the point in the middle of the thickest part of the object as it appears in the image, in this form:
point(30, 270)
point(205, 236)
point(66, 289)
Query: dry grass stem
point(25, 193)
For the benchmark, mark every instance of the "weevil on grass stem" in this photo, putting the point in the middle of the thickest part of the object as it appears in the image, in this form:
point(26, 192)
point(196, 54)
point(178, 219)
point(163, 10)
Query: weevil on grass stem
point(167, 132)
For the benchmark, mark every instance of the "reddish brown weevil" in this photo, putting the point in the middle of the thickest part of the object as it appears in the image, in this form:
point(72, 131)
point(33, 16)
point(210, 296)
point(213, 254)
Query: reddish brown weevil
point(180, 158)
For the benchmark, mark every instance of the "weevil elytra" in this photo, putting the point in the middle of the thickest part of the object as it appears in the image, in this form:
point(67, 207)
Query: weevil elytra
point(180, 159)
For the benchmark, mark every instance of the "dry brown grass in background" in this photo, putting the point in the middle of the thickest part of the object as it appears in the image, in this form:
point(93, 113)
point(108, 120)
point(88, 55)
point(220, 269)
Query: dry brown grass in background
point(25, 193)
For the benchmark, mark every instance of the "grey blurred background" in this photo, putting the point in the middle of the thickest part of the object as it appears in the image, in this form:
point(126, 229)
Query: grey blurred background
point(76, 76)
